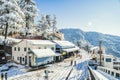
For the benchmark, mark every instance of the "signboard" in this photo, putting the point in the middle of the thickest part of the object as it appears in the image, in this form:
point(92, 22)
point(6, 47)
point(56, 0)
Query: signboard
point(64, 53)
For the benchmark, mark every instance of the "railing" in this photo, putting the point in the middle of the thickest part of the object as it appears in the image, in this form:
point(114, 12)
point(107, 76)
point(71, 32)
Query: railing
point(112, 72)
point(69, 74)
point(91, 73)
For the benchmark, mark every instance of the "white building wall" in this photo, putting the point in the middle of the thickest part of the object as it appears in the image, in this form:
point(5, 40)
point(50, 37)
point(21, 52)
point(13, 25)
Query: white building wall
point(20, 53)
point(43, 47)
point(108, 64)
point(24, 44)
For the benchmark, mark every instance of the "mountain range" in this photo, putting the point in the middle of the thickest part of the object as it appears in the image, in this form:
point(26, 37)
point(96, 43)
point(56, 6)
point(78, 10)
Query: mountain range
point(110, 42)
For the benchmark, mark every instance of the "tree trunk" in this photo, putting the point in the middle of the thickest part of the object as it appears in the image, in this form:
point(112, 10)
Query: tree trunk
point(6, 29)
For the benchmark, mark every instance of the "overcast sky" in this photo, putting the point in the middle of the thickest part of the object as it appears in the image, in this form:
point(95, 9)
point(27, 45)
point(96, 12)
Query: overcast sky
point(88, 15)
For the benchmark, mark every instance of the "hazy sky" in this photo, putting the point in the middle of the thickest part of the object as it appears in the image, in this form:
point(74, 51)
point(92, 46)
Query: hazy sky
point(88, 15)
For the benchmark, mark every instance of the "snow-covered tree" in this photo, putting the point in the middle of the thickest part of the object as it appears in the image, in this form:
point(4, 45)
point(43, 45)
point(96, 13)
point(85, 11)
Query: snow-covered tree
point(54, 24)
point(48, 23)
point(84, 44)
point(11, 17)
point(43, 23)
point(30, 10)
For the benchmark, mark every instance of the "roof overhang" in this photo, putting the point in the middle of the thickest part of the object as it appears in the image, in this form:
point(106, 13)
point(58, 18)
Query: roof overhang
point(71, 49)
point(43, 53)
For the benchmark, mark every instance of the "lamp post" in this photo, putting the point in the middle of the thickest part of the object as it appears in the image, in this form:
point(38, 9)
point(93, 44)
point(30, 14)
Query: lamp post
point(100, 52)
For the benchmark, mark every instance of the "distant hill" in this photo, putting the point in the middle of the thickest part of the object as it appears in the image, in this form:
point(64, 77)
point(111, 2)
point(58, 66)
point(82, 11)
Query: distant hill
point(112, 43)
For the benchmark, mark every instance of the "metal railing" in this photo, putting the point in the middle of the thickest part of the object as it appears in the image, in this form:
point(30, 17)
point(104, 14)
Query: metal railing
point(91, 74)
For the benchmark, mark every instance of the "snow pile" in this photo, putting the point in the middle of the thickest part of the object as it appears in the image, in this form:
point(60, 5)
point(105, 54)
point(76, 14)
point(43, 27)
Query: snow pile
point(60, 71)
point(9, 40)
point(12, 69)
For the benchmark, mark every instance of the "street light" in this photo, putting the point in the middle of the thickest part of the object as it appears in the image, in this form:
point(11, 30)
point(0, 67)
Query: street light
point(100, 52)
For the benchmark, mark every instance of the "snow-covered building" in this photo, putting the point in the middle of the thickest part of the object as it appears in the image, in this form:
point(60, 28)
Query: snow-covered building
point(116, 63)
point(65, 48)
point(20, 51)
point(111, 62)
point(6, 55)
point(108, 61)
point(40, 57)
point(111, 65)
point(96, 55)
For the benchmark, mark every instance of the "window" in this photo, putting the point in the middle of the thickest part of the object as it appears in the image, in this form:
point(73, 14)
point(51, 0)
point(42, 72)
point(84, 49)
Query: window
point(108, 72)
point(112, 73)
point(14, 48)
point(17, 58)
point(23, 59)
point(13, 57)
point(108, 59)
point(28, 48)
point(18, 48)
point(45, 47)
point(116, 68)
point(117, 75)
point(58, 50)
point(24, 49)
point(52, 48)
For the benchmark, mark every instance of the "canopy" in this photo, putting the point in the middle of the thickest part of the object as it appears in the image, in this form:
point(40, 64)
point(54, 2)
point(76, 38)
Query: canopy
point(58, 54)
point(71, 49)
point(64, 44)
point(43, 53)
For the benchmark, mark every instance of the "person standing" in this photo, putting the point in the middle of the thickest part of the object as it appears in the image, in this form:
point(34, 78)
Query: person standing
point(2, 76)
point(5, 76)
point(71, 62)
point(74, 63)
point(46, 74)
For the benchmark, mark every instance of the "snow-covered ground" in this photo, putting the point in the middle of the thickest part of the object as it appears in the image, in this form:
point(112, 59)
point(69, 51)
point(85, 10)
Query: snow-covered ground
point(107, 75)
point(13, 69)
point(60, 71)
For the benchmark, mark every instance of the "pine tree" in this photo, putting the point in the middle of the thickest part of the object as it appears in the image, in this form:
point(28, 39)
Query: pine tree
point(11, 17)
point(30, 10)
point(43, 24)
point(48, 23)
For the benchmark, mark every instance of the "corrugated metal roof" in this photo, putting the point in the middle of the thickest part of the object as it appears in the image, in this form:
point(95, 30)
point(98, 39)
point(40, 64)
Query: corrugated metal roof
point(71, 49)
point(43, 52)
point(41, 42)
point(9, 39)
point(64, 44)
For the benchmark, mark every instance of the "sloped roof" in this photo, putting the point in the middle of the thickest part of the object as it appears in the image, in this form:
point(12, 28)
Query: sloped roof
point(71, 49)
point(40, 42)
point(43, 52)
point(64, 44)
point(9, 39)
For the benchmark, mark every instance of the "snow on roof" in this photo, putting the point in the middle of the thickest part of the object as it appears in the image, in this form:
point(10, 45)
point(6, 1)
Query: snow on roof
point(64, 44)
point(96, 47)
point(58, 54)
point(108, 55)
point(71, 49)
point(43, 52)
point(41, 42)
point(9, 39)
